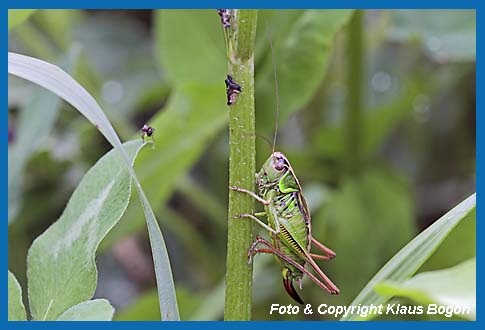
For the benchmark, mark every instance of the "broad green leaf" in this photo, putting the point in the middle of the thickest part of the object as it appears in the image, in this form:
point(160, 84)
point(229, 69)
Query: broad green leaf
point(193, 116)
point(34, 124)
point(57, 81)
point(356, 222)
point(61, 267)
point(408, 260)
point(301, 57)
point(16, 309)
point(191, 45)
point(91, 310)
point(455, 286)
point(445, 34)
point(18, 16)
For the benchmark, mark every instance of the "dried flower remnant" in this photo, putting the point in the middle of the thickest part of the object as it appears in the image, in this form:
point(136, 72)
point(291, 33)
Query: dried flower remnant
point(232, 90)
point(146, 131)
point(225, 15)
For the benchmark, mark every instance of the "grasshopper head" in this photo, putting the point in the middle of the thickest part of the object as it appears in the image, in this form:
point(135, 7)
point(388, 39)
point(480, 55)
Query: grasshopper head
point(274, 168)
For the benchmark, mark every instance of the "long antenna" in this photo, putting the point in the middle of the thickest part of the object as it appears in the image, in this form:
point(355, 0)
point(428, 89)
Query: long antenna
point(276, 90)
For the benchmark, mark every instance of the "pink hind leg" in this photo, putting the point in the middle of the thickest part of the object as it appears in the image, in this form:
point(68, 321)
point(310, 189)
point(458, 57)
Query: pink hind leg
point(271, 249)
point(324, 249)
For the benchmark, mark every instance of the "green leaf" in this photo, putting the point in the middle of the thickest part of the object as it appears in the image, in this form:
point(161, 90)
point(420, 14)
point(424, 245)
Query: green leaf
point(193, 116)
point(61, 267)
point(301, 57)
point(163, 271)
point(18, 16)
point(57, 81)
point(91, 310)
point(16, 309)
point(445, 34)
point(408, 260)
point(191, 45)
point(455, 286)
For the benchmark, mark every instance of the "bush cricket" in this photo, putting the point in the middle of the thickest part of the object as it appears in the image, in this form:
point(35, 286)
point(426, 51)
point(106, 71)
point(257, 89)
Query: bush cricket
point(288, 220)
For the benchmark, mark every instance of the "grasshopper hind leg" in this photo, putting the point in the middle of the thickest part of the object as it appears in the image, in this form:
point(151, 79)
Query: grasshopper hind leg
point(287, 276)
point(269, 248)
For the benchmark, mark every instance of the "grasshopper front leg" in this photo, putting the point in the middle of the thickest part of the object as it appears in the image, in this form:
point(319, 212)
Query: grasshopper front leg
point(252, 194)
point(251, 216)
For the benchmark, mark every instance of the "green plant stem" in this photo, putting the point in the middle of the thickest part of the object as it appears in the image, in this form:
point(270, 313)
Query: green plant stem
point(354, 115)
point(242, 164)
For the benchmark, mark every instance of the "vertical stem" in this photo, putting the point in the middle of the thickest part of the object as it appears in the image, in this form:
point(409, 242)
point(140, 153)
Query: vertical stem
point(241, 36)
point(354, 116)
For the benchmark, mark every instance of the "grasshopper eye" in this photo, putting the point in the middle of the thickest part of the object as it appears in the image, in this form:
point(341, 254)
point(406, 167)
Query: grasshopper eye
point(280, 164)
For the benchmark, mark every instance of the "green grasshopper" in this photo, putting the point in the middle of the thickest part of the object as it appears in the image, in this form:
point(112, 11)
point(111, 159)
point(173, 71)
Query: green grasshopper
point(288, 222)
point(289, 225)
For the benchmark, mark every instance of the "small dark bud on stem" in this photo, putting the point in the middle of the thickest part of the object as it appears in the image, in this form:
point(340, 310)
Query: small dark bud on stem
point(146, 131)
point(232, 90)
point(225, 15)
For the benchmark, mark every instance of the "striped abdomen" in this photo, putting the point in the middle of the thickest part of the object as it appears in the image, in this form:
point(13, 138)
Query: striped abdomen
point(293, 236)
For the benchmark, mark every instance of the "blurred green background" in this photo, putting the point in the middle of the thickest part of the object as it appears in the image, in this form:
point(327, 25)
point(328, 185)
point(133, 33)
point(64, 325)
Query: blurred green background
point(376, 169)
